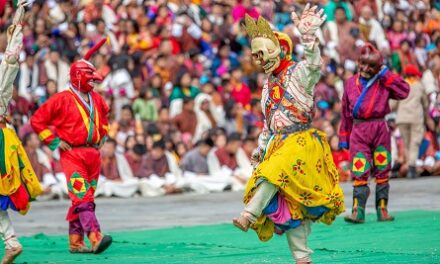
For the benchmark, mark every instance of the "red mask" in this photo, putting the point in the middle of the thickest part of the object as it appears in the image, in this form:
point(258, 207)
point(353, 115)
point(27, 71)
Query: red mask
point(370, 62)
point(83, 76)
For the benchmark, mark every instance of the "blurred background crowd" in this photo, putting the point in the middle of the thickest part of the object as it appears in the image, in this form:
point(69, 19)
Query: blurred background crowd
point(184, 92)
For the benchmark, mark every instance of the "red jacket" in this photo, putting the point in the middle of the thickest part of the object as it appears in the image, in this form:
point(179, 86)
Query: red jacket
point(71, 119)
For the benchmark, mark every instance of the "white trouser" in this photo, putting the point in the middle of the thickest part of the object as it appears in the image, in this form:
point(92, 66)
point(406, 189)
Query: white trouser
point(206, 183)
point(124, 189)
point(296, 237)
point(154, 185)
point(264, 193)
point(7, 231)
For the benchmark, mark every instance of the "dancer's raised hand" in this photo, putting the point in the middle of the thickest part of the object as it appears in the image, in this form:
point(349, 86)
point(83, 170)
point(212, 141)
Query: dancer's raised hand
point(19, 14)
point(310, 20)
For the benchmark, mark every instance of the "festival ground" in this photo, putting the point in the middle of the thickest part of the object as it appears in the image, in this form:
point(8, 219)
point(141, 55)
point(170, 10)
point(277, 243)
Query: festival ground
point(144, 231)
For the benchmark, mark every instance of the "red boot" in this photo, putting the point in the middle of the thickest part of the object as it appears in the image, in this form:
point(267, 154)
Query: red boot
point(76, 244)
point(99, 242)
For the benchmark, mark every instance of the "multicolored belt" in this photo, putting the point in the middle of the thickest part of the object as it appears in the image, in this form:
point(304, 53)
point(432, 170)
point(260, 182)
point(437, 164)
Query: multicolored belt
point(293, 129)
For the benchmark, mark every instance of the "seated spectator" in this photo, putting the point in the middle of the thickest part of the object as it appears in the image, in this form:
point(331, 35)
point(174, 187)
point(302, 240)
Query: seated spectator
point(403, 56)
point(135, 156)
point(116, 177)
point(186, 121)
point(196, 170)
point(207, 117)
point(144, 107)
point(42, 167)
point(241, 93)
point(182, 90)
point(234, 117)
point(159, 173)
point(224, 163)
point(124, 127)
point(119, 85)
point(341, 157)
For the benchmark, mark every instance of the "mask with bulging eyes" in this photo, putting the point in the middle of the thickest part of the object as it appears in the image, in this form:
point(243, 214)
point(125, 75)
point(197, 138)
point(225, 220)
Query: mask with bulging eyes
point(266, 53)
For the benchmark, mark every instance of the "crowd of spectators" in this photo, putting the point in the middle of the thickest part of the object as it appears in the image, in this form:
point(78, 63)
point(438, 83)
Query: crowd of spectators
point(184, 92)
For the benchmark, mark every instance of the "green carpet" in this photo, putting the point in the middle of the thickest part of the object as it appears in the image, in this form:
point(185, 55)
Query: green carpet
point(413, 238)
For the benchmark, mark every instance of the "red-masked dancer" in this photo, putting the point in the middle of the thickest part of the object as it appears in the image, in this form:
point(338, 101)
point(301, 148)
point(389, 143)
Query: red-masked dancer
point(365, 132)
point(79, 118)
point(296, 181)
point(18, 182)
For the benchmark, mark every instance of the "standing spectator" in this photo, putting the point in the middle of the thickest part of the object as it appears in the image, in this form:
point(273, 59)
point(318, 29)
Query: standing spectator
point(411, 115)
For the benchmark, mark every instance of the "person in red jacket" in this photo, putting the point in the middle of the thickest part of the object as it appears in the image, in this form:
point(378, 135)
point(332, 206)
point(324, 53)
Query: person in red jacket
point(79, 117)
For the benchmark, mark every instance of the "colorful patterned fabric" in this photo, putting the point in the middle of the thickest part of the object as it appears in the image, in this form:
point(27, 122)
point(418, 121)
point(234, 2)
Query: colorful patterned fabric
point(360, 164)
point(382, 157)
point(18, 182)
point(79, 124)
point(370, 145)
point(305, 175)
point(287, 96)
point(368, 100)
point(81, 167)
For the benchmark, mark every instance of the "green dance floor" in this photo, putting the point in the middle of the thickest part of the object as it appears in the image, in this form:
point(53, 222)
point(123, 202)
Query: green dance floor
point(413, 238)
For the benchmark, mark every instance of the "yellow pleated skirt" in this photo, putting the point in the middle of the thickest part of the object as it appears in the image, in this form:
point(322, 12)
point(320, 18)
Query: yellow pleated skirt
point(302, 167)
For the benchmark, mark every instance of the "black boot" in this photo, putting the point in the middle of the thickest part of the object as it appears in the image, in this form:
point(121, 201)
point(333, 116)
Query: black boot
point(360, 196)
point(412, 172)
point(382, 191)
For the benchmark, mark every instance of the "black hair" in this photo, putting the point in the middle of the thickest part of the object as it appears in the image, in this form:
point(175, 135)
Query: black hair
point(129, 108)
point(111, 141)
point(206, 141)
point(140, 149)
point(234, 136)
point(26, 138)
point(159, 144)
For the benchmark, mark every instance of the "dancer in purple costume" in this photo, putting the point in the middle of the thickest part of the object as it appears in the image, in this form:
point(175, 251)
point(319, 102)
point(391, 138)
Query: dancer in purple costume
point(364, 130)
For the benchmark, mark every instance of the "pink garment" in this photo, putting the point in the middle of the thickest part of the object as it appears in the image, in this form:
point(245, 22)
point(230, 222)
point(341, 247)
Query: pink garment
point(242, 94)
point(240, 11)
point(395, 38)
point(282, 214)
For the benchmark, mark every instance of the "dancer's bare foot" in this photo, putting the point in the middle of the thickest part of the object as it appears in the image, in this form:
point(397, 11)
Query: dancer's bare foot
point(305, 260)
point(11, 254)
point(242, 222)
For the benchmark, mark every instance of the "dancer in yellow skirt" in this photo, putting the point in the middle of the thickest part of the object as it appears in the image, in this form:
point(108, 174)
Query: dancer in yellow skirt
point(295, 181)
point(18, 183)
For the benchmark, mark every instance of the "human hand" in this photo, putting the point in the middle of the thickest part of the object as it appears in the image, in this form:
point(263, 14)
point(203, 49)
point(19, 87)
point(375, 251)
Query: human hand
point(64, 146)
point(256, 157)
point(19, 14)
point(310, 20)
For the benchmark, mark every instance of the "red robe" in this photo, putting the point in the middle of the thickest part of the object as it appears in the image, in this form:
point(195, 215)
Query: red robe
point(83, 130)
point(70, 117)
